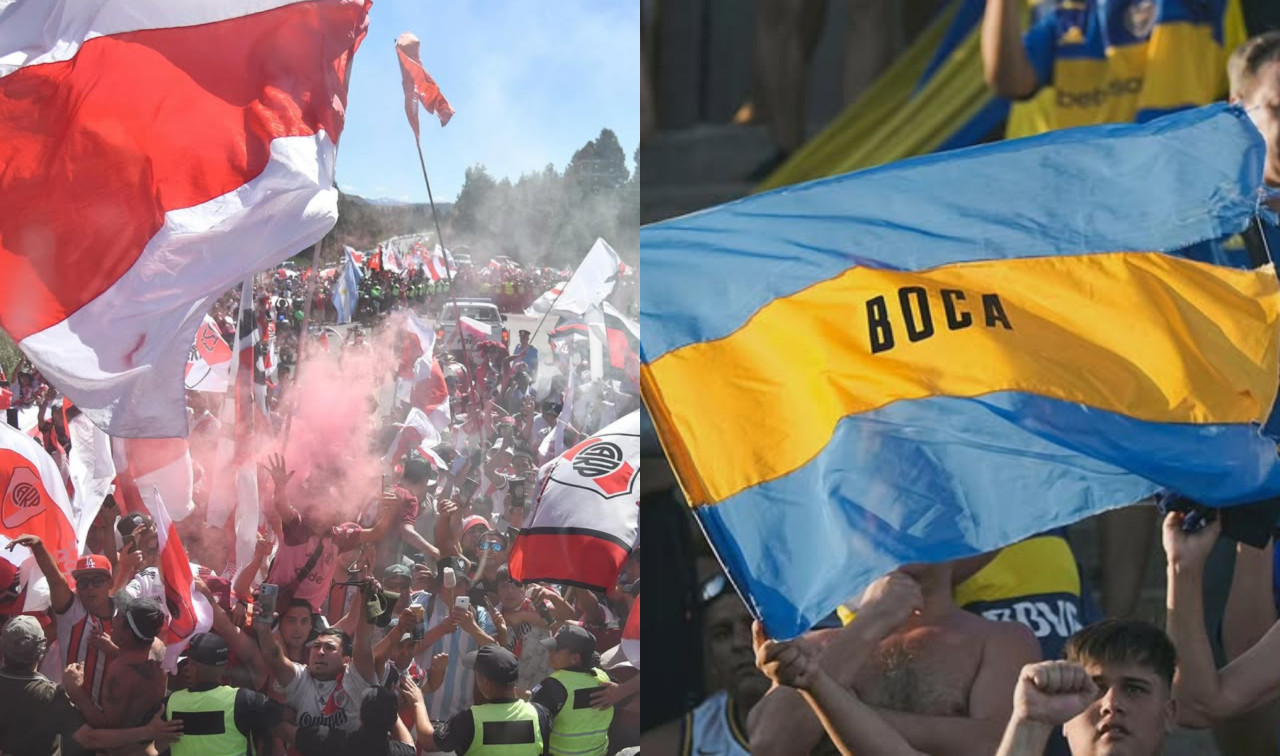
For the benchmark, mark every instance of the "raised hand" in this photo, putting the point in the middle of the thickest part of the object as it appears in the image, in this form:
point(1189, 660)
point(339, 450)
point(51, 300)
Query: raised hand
point(435, 673)
point(30, 541)
point(73, 676)
point(280, 476)
point(1052, 692)
point(792, 663)
point(1188, 549)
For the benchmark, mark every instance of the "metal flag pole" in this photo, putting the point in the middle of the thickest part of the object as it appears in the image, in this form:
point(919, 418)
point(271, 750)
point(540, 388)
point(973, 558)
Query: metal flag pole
point(448, 270)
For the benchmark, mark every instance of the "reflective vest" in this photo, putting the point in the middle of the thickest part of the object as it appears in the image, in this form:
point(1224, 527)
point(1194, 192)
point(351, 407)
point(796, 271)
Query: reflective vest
point(508, 288)
point(209, 723)
point(505, 729)
point(579, 729)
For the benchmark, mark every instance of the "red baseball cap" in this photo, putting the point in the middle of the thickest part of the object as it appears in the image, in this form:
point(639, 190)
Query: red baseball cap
point(92, 563)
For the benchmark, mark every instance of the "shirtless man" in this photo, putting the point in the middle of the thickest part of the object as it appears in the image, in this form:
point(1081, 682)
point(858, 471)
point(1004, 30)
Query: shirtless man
point(135, 683)
point(940, 677)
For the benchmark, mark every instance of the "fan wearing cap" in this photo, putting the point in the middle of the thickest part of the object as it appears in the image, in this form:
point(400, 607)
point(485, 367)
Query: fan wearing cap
point(134, 683)
point(36, 710)
point(526, 353)
point(82, 616)
point(503, 724)
point(217, 718)
point(578, 728)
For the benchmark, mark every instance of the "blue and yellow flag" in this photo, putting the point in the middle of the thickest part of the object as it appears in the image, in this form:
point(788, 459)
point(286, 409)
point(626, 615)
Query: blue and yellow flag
point(943, 356)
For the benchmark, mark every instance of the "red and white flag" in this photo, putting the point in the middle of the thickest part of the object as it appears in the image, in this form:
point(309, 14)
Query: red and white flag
point(92, 471)
point(156, 475)
point(592, 282)
point(34, 502)
point(436, 266)
point(419, 87)
point(631, 635)
point(417, 432)
point(474, 328)
point(430, 394)
point(144, 176)
point(586, 516)
point(422, 339)
point(542, 305)
point(209, 366)
point(6, 398)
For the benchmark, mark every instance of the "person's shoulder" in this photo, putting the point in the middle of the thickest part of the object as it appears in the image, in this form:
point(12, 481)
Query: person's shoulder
point(666, 738)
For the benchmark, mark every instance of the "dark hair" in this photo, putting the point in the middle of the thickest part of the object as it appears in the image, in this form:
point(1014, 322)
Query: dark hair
point(378, 710)
point(1130, 641)
point(1249, 58)
point(503, 575)
point(342, 637)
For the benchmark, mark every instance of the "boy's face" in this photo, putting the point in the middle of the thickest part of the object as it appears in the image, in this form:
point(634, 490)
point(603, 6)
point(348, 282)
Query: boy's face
point(1132, 715)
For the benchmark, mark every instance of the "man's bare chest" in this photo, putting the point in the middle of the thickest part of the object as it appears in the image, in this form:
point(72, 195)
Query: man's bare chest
point(922, 672)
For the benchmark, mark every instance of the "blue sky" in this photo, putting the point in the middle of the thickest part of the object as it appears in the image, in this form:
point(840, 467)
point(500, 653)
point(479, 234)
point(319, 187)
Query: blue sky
point(531, 82)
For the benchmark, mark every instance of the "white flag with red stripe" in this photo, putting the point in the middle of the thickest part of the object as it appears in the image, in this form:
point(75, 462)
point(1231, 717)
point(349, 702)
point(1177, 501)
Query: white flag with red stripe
point(474, 328)
point(542, 305)
point(92, 469)
point(430, 393)
point(144, 176)
point(631, 635)
point(435, 264)
point(585, 519)
point(592, 282)
point(422, 338)
point(34, 502)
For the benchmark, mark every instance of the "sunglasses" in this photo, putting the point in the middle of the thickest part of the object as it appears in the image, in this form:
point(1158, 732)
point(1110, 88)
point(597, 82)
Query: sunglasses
point(92, 582)
point(492, 546)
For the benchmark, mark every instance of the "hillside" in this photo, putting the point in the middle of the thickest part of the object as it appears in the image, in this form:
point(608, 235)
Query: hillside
point(363, 223)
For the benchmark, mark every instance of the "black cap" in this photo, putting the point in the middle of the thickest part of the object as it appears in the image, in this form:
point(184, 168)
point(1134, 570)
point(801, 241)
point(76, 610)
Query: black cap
point(495, 663)
point(145, 618)
point(130, 523)
point(208, 649)
point(572, 638)
point(551, 405)
point(397, 570)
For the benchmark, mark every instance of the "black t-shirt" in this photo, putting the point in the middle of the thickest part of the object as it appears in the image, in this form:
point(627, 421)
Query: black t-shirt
point(457, 734)
point(322, 740)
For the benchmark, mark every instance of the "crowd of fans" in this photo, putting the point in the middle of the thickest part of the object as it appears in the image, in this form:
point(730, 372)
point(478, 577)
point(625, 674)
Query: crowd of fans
point(381, 623)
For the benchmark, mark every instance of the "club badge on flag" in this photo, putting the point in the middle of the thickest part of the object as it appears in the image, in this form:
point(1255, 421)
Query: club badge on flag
point(209, 366)
point(586, 518)
point(34, 501)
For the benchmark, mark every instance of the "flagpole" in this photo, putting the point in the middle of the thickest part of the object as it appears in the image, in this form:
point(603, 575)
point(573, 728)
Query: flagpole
point(302, 338)
point(448, 271)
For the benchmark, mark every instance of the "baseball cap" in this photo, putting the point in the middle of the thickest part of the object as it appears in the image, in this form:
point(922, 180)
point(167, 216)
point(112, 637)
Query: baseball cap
point(523, 332)
point(572, 638)
point(494, 663)
point(91, 563)
point(145, 618)
point(208, 649)
point(23, 640)
point(474, 521)
point(397, 570)
point(130, 523)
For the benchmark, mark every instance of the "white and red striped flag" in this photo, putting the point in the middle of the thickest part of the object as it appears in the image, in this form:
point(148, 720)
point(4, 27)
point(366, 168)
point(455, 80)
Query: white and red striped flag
point(209, 366)
point(474, 328)
point(419, 87)
point(143, 176)
point(34, 502)
point(542, 305)
point(586, 517)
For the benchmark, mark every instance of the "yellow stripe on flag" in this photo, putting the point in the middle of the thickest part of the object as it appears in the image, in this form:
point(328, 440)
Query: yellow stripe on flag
point(1149, 336)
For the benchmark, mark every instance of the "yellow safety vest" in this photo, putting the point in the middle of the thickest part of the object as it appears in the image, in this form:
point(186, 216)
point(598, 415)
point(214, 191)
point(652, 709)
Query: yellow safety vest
point(505, 729)
point(579, 729)
point(209, 719)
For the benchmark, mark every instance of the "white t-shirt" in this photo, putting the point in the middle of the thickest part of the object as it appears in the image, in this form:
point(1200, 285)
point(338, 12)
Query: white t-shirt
point(334, 703)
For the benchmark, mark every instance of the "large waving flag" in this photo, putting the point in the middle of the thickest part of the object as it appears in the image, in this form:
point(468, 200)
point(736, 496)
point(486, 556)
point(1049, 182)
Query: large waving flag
point(586, 517)
point(144, 176)
point(419, 87)
point(940, 357)
point(542, 305)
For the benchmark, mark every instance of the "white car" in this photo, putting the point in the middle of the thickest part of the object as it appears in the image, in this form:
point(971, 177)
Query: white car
point(483, 310)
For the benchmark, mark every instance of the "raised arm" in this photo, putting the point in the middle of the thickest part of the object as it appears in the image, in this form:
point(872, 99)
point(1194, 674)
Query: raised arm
point(60, 595)
point(280, 477)
point(1047, 695)
point(1204, 693)
point(386, 518)
point(853, 726)
point(243, 586)
point(1006, 67)
point(410, 535)
point(272, 655)
point(362, 649)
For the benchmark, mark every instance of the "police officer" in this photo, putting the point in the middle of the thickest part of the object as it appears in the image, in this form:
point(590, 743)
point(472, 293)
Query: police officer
point(504, 725)
point(218, 720)
point(578, 729)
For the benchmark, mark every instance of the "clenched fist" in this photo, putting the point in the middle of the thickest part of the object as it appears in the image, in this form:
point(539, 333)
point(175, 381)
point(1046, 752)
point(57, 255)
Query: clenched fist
point(1053, 692)
point(792, 663)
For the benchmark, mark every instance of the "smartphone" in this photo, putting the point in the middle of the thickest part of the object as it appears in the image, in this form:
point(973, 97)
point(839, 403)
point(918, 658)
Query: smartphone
point(462, 602)
point(267, 594)
point(468, 489)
